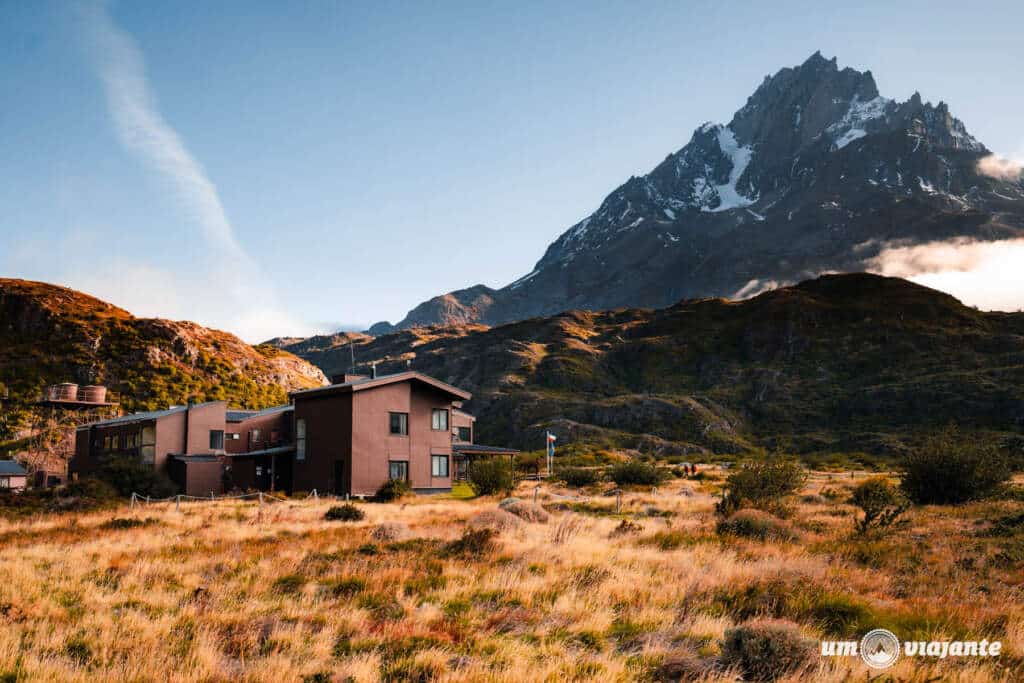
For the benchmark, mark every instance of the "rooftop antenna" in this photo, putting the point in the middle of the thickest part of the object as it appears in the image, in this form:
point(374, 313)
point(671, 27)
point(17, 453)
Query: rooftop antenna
point(352, 355)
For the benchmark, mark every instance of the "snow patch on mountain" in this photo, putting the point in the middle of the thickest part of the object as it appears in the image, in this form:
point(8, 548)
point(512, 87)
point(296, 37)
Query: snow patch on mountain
point(853, 125)
point(728, 195)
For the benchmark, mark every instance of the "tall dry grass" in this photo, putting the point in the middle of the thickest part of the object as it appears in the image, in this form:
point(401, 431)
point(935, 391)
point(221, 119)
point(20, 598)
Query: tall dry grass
point(231, 591)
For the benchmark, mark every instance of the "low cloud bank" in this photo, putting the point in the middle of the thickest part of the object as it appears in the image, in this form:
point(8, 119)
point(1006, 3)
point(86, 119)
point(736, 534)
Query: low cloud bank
point(989, 275)
point(1001, 168)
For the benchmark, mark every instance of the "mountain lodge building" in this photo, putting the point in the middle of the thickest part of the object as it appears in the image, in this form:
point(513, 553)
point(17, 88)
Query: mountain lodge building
point(346, 438)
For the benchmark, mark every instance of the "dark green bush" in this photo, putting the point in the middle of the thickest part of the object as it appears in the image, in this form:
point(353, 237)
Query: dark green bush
point(950, 468)
point(391, 490)
point(762, 485)
point(756, 524)
point(881, 502)
point(491, 476)
point(128, 475)
point(577, 477)
point(289, 584)
point(344, 513)
point(767, 650)
point(634, 472)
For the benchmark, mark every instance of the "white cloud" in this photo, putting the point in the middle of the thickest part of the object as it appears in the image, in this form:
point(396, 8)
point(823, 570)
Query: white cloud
point(230, 292)
point(989, 275)
point(1001, 168)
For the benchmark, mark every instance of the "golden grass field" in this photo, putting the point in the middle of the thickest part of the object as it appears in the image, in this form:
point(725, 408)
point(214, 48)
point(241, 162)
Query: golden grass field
point(234, 591)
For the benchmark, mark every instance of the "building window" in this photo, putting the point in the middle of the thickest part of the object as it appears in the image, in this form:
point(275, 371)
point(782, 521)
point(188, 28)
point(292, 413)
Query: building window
point(115, 442)
point(465, 434)
point(398, 469)
point(106, 443)
point(300, 439)
point(233, 436)
point(147, 453)
point(398, 423)
point(439, 465)
point(217, 439)
point(439, 419)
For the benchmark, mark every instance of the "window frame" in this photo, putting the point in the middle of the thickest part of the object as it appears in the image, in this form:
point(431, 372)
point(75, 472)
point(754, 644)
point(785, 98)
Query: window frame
point(434, 414)
point(404, 466)
point(469, 434)
point(214, 441)
point(435, 471)
point(403, 423)
point(300, 439)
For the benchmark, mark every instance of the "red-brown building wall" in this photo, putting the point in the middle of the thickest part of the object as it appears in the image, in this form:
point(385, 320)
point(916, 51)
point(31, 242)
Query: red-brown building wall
point(328, 440)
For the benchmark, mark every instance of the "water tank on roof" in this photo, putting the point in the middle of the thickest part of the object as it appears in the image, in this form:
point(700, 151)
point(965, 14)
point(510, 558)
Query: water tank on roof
point(66, 391)
point(92, 394)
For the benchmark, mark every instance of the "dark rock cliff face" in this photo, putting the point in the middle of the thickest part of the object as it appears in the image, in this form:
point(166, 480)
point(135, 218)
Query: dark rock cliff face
point(817, 172)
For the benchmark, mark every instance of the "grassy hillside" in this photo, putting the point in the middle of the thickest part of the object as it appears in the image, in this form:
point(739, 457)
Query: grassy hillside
point(845, 363)
point(52, 334)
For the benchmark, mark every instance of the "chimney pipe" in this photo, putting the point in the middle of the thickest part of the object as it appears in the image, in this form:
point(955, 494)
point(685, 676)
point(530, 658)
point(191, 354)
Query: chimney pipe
point(373, 370)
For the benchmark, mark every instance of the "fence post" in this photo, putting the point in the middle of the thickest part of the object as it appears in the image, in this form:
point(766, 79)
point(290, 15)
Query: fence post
point(536, 490)
point(654, 490)
point(147, 500)
point(131, 506)
point(211, 496)
point(177, 503)
point(316, 496)
point(261, 498)
point(618, 500)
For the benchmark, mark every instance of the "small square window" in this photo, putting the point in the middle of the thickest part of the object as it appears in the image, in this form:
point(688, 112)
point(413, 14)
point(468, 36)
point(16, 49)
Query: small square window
point(399, 423)
point(439, 419)
point(399, 470)
point(217, 439)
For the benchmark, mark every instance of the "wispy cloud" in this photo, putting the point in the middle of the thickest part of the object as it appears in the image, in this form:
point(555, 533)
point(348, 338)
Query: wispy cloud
point(234, 293)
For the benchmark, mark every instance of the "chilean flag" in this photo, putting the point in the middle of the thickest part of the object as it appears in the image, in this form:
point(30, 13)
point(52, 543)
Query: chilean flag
point(551, 444)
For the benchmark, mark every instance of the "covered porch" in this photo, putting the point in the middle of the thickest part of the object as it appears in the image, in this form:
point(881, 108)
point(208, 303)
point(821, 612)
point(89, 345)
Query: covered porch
point(463, 454)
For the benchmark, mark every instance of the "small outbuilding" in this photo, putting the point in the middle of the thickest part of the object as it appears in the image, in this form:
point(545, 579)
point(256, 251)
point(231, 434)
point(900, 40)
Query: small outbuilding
point(13, 477)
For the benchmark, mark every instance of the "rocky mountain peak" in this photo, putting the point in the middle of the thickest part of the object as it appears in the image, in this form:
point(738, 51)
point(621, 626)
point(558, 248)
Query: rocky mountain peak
point(816, 172)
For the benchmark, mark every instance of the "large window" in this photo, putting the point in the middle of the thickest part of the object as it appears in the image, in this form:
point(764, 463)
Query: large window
point(217, 439)
point(300, 439)
point(398, 469)
point(465, 434)
point(439, 465)
point(439, 419)
point(148, 451)
point(398, 423)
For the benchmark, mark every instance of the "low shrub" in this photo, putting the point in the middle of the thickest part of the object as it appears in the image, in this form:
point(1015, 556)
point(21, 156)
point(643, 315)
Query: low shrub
point(766, 650)
point(346, 587)
point(128, 475)
point(473, 543)
point(762, 485)
point(577, 477)
point(635, 473)
point(531, 512)
point(289, 584)
point(491, 476)
point(949, 468)
point(390, 531)
point(881, 502)
point(756, 524)
point(118, 523)
point(392, 490)
point(344, 513)
point(497, 519)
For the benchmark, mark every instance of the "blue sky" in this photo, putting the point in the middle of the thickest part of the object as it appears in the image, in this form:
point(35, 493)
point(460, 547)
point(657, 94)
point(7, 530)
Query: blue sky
point(282, 168)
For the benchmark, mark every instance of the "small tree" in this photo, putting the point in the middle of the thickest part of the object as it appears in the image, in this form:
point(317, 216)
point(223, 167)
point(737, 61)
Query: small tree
point(127, 475)
point(761, 485)
point(490, 476)
point(881, 502)
point(949, 469)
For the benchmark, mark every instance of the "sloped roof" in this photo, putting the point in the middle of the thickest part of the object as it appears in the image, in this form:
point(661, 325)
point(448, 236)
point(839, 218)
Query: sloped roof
point(480, 449)
point(374, 382)
point(146, 416)
point(8, 467)
point(242, 415)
